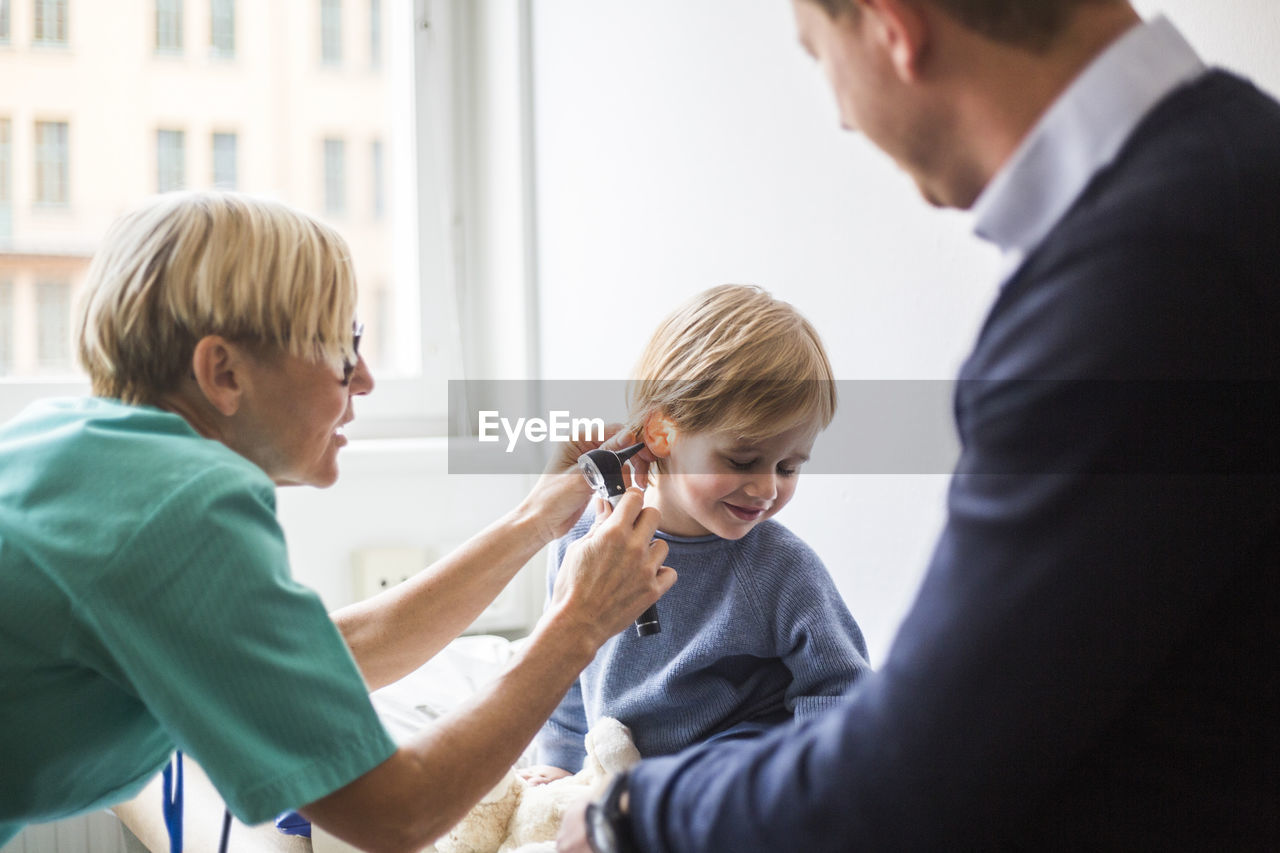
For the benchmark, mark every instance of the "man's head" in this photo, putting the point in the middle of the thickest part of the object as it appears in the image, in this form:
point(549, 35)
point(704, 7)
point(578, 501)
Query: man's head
point(949, 88)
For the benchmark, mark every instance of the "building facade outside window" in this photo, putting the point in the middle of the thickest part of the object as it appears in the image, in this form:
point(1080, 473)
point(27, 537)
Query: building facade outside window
point(331, 32)
point(53, 163)
point(168, 26)
point(222, 28)
point(225, 163)
point(171, 160)
point(335, 177)
point(53, 325)
point(50, 23)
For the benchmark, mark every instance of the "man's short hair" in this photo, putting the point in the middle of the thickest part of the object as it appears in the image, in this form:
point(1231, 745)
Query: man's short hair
point(1028, 23)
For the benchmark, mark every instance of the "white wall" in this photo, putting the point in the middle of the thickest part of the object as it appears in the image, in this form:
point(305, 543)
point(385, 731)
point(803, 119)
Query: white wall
point(686, 143)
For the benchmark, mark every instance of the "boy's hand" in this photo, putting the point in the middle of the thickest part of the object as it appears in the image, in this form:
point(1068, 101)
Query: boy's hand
point(541, 774)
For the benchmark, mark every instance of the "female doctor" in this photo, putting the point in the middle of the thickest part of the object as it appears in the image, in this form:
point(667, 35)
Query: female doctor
point(146, 602)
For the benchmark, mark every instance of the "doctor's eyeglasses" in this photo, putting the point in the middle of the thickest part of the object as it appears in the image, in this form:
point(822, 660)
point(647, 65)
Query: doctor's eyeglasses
point(349, 365)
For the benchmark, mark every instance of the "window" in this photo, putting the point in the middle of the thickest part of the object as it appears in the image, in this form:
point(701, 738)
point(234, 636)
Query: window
point(4, 21)
point(53, 325)
point(335, 177)
point(331, 32)
point(224, 161)
point(6, 327)
point(375, 33)
point(53, 166)
point(50, 22)
point(222, 28)
point(169, 26)
point(377, 179)
point(171, 161)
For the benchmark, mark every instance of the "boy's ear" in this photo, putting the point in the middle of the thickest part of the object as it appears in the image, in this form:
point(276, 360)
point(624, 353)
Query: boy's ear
point(902, 31)
point(658, 433)
point(214, 363)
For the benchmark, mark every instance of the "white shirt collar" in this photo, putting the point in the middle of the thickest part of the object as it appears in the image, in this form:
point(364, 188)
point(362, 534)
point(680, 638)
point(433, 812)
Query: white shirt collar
point(1080, 133)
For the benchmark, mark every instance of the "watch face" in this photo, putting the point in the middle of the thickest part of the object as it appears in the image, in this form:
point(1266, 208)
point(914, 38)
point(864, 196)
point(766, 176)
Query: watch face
point(600, 832)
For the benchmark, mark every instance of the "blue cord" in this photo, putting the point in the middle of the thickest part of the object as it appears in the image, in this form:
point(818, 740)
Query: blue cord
point(172, 805)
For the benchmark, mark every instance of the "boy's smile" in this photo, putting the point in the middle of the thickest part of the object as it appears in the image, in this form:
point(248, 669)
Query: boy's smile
point(715, 482)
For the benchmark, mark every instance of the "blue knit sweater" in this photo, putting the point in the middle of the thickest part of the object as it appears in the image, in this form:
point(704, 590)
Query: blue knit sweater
point(753, 633)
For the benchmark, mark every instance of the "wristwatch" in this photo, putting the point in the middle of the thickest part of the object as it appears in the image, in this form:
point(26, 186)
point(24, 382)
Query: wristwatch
point(608, 826)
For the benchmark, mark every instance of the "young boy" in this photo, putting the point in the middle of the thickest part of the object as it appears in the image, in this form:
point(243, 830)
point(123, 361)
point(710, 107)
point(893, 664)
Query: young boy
point(729, 396)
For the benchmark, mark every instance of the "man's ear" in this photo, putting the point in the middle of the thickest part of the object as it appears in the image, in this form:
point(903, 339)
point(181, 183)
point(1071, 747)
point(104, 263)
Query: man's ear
point(216, 364)
point(658, 433)
point(901, 29)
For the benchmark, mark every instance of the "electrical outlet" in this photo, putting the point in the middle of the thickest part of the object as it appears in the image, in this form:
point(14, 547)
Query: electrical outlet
point(378, 569)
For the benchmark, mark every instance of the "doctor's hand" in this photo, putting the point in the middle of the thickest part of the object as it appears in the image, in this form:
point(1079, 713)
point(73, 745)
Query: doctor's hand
point(611, 575)
point(561, 493)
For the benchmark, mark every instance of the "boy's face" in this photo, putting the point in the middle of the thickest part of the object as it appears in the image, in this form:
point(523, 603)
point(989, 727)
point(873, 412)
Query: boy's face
point(715, 482)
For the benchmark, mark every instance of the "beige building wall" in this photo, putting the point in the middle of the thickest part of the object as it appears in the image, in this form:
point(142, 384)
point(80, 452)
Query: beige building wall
point(115, 90)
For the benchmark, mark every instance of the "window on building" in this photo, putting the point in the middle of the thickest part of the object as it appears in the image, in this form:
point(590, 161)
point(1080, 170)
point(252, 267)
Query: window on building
point(335, 177)
point(53, 325)
point(375, 33)
point(225, 164)
point(331, 32)
point(6, 327)
point(222, 28)
point(53, 163)
point(168, 26)
point(171, 160)
point(50, 22)
point(4, 21)
point(378, 179)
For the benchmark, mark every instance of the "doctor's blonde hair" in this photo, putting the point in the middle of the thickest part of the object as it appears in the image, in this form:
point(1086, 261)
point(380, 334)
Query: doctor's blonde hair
point(191, 264)
point(734, 358)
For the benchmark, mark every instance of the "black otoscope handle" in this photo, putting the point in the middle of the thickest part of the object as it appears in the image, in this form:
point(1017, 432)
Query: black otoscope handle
point(603, 470)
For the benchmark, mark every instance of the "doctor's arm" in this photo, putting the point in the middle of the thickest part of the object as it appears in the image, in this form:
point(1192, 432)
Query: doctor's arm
point(427, 785)
point(395, 632)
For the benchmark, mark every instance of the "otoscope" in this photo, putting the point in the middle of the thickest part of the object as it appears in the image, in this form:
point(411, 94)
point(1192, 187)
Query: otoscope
point(603, 470)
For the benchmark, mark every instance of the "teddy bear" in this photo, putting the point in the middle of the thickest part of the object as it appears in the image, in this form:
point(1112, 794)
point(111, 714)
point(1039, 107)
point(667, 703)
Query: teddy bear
point(517, 817)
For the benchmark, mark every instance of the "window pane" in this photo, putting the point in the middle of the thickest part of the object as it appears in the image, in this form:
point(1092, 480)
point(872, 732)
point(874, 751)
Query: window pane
point(269, 123)
point(375, 33)
point(53, 164)
point(4, 20)
point(222, 30)
point(171, 164)
point(53, 329)
point(50, 25)
point(335, 177)
point(169, 26)
point(225, 172)
point(331, 31)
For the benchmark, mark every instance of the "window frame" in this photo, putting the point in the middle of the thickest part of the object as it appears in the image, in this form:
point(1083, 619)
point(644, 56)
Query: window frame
point(52, 165)
point(441, 227)
point(45, 34)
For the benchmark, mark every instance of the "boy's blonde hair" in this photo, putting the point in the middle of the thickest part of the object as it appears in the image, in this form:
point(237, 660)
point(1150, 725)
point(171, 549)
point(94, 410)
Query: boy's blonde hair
point(187, 265)
point(734, 358)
